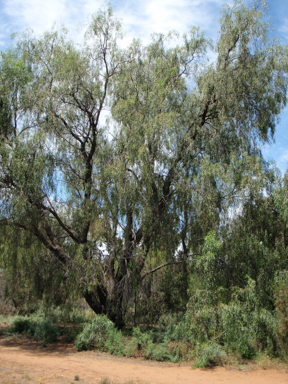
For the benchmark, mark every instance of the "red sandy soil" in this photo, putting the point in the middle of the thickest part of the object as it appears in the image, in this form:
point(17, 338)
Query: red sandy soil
point(23, 361)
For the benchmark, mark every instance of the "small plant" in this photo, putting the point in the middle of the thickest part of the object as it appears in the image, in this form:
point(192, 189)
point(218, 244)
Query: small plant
point(209, 354)
point(47, 332)
point(246, 350)
point(131, 348)
point(114, 342)
point(179, 351)
point(76, 378)
point(23, 325)
point(93, 334)
point(71, 333)
point(105, 381)
point(159, 352)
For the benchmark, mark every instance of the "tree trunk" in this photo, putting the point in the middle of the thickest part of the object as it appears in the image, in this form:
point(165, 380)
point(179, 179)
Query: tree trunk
point(111, 306)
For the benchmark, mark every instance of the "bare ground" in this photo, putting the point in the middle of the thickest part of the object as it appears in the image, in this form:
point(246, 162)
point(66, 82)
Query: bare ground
point(23, 361)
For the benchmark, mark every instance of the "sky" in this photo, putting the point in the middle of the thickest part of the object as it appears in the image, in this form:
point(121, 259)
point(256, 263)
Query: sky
point(140, 19)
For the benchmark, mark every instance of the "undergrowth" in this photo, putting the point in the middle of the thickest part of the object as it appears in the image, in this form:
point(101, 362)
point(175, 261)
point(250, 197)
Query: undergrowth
point(42, 329)
point(167, 340)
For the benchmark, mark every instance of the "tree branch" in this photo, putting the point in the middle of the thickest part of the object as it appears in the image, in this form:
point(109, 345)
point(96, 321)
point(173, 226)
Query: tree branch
point(169, 263)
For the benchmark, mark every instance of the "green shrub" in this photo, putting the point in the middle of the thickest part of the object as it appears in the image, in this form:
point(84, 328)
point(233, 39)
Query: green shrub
point(93, 334)
point(142, 339)
point(241, 325)
point(246, 350)
point(131, 348)
point(281, 296)
point(105, 381)
point(114, 342)
point(181, 332)
point(179, 351)
point(137, 343)
point(71, 333)
point(39, 329)
point(209, 354)
point(47, 332)
point(23, 325)
point(159, 352)
point(65, 315)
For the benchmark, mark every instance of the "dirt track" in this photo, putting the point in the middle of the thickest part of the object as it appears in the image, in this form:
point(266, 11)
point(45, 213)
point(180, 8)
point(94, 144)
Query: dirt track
point(24, 361)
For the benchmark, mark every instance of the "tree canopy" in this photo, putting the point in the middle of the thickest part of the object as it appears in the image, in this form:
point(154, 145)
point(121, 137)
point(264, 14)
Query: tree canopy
point(116, 163)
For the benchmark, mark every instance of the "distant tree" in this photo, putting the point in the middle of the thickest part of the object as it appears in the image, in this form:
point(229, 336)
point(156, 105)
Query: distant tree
point(181, 146)
point(252, 244)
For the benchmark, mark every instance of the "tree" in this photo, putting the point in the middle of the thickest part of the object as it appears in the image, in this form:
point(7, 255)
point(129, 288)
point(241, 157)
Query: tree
point(181, 144)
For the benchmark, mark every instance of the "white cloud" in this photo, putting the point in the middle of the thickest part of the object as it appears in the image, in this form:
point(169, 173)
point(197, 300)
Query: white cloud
point(33, 14)
point(140, 19)
point(41, 15)
point(144, 18)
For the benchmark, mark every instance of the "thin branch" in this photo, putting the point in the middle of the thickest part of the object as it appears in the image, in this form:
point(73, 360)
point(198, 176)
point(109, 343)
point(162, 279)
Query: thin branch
point(169, 263)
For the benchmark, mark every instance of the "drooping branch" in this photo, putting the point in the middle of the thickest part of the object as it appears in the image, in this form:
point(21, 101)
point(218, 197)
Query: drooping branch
point(168, 263)
point(52, 245)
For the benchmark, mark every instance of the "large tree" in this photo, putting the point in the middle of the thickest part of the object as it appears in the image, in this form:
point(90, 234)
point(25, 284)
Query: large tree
point(179, 148)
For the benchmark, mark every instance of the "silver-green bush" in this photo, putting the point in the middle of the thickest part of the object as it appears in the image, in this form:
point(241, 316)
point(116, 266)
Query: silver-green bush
point(93, 334)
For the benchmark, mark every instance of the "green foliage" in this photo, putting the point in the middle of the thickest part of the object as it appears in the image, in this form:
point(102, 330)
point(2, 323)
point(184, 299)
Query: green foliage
point(138, 343)
point(94, 333)
point(157, 345)
point(183, 159)
point(241, 324)
point(180, 351)
point(209, 354)
point(70, 334)
point(23, 325)
point(43, 329)
point(159, 351)
point(114, 342)
point(131, 348)
point(46, 331)
point(141, 338)
point(281, 296)
point(66, 315)
point(39, 328)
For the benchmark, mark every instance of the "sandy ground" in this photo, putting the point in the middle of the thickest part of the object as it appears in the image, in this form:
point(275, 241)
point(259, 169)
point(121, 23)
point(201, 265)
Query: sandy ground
point(24, 361)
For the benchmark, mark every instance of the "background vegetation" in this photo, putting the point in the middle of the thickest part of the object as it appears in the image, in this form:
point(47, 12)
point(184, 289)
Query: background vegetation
point(162, 216)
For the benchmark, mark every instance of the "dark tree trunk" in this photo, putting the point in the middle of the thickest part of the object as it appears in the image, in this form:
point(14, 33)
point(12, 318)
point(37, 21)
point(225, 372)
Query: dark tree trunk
point(115, 310)
point(111, 306)
point(97, 300)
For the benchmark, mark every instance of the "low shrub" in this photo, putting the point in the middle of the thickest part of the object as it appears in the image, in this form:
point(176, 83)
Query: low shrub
point(23, 325)
point(47, 331)
point(141, 338)
point(42, 329)
point(131, 348)
point(114, 343)
point(159, 352)
point(179, 351)
point(281, 302)
point(209, 354)
point(241, 325)
point(94, 333)
point(70, 334)
point(67, 315)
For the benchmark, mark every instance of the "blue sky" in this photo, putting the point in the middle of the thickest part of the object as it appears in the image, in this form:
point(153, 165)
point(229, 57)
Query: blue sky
point(140, 19)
